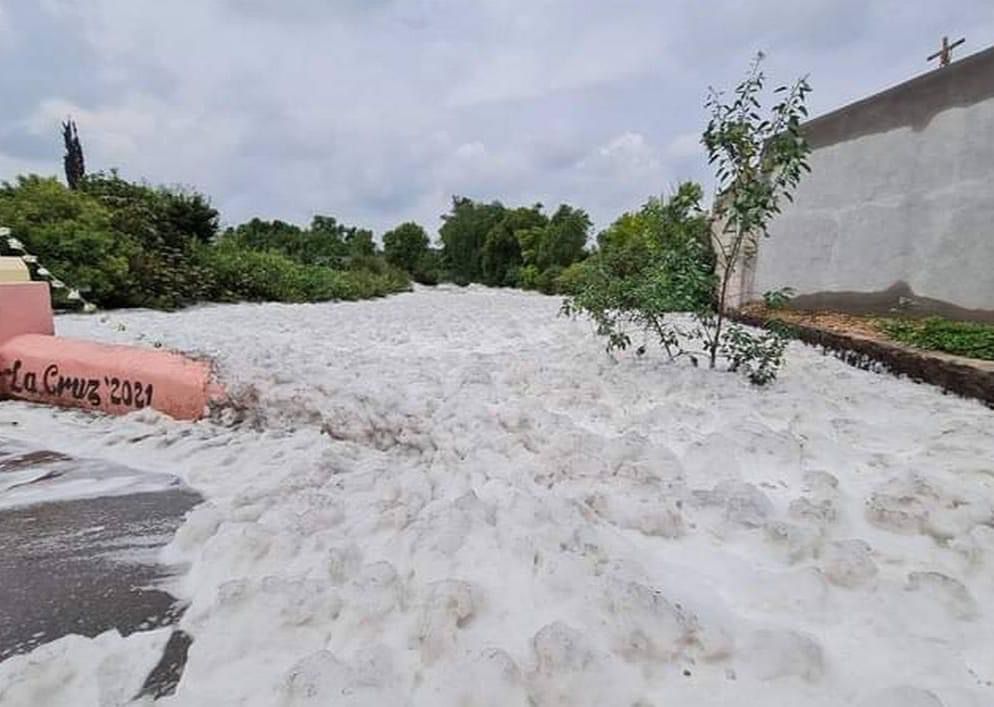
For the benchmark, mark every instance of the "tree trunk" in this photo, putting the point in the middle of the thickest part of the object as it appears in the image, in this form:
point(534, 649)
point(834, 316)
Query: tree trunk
point(729, 266)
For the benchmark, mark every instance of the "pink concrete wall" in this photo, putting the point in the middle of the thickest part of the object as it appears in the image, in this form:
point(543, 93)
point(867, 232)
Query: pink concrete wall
point(112, 379)
point(25, 308)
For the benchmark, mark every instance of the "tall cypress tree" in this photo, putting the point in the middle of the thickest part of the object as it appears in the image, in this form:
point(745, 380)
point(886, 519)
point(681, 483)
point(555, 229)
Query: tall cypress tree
point(73, 160)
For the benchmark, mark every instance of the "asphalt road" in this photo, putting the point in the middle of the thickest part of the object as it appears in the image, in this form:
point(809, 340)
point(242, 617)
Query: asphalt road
point(83, 565)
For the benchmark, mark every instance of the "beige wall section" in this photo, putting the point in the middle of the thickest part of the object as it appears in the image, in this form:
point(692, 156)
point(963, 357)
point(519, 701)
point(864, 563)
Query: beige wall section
point(898, 211)
point(741, 281)
point(13, 270)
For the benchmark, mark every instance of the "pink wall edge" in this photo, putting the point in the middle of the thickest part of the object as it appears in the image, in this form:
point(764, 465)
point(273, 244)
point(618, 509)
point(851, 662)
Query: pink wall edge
point(111, 378)
point(25, 308)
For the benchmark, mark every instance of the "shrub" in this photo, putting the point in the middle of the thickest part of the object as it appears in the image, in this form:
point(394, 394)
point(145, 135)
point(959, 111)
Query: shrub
point(165, 224)
point(545, 281)
point(258, 276)
point(120, 244)
point(971, 339)
point(558, 242)
point(758, 160)
point(405, 246)
point(778, 299)
point(528, 277)
point(430, 268)
point(173, 214)
point(124, 244)
point(326, 242)
point(758, 356)
point(618, 293)
point(73, 235)
point(463, 233)
point(261, 276)
point(662, 259)
point(374, 264)
point(511, 247)
point(548, 280)
point(573, 278)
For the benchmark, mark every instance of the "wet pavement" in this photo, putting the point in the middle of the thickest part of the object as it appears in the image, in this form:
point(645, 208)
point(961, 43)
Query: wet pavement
point(83, 565)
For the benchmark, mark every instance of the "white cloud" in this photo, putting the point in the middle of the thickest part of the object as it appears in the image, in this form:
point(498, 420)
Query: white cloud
point(471, 151)
point(554, 47)
point(628, 151)
point(144, 136)
point(380, 111)
point(6, 32)
point(685, 145)
point(10, 166)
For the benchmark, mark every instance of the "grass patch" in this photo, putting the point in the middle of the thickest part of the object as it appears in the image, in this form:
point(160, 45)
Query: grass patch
point(970, 339)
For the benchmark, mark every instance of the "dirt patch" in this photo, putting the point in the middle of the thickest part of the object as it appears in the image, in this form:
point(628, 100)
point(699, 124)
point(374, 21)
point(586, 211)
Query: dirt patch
point(862, 325)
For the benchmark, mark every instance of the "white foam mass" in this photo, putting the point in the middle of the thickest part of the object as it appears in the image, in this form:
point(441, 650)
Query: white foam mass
point(453, 497)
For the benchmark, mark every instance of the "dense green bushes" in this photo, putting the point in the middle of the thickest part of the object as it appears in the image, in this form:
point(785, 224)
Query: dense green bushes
point(165, 225)
point(262, 276)
point(571, 279)
point(408, 247)
point(511, 247)
point(650, 263)
point(276, 261)
point(463, 234)
point(124, 244)
point(121, 244)
point(72, 233)
point(326, 242)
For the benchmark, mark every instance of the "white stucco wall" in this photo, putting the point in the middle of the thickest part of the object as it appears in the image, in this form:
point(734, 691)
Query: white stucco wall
point(911, 205)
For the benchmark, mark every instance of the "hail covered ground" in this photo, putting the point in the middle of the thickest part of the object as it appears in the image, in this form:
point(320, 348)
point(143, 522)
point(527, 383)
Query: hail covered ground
point(455, 497)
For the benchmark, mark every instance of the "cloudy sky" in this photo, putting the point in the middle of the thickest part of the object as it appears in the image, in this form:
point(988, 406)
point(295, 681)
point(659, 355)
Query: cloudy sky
point(377, 111)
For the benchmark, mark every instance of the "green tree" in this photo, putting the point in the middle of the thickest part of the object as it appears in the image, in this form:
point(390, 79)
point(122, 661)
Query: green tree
point(651, 263)
point(324, 243)
point(430, 269)
point(660, 260)
point(659, 223)
point(191, 212)
point(73, 236)
point(73, 162)
point(360, 243)
point(569, 229)
point(120, 243)
point(130, 244)
point(276, 236)
point(169, 215)
point(167, 223)
point(405, 246)
point(329, 242)
point(501, 253)
point(464, 231)
point(758, 160)
point(559, 242)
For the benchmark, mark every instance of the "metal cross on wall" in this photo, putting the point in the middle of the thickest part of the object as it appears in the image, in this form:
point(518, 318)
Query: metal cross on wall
point(945, 54)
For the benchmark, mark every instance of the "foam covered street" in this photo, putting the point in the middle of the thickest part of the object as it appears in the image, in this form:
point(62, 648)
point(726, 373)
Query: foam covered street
point(454, 496)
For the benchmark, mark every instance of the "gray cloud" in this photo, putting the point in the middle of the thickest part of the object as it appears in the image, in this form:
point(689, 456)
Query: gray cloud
point(378, 111)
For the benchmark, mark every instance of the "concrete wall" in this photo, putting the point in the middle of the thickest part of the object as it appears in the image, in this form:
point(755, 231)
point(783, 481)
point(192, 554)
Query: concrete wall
point(898, 212)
